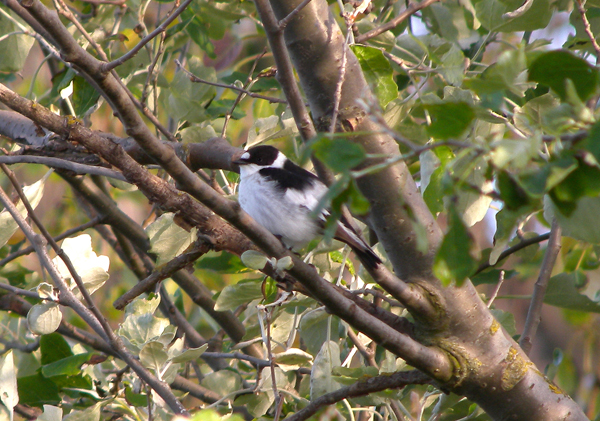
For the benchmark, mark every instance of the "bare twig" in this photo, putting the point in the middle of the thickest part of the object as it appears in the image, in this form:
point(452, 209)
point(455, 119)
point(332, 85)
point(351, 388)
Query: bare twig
point(497, 289)
point(285, 70)
point(249, 82)
point(64, 164)
point(161, 28)
point(91, 315)
point(161, 273)
point(196, 79)
point(23, 292)
point(587, 28)
point(375, 384)
point(539, 290)
point(511, 250)
point(410, 10)
point(283, 22)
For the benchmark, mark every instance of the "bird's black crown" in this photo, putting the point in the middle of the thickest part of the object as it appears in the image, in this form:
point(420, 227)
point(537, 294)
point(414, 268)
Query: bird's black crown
point(261, 155)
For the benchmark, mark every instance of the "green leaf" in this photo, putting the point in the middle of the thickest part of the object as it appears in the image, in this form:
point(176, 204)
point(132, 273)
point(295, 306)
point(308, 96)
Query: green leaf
point(51, 413)
point(490, 13)
point(254, 259)
point(491, 276)
point(555, 67)
point(506, 74)
point(15, 48)
point(154, 356)
point(223, 262)
point(314, 328)
point(167, 239)
point(8, 382)
point(135, 399)
point(292, 357)
point(139, 329)
point(348, 376)
point(92, 269)
point(561, 292)
point(84, 96)
point(321, 374)
point(68, 366)
point(187, 100)
point(506, 221)
point(338, 154)
point(89, 414)
point(233, 296)
point(592, 142)
point(256, 403)
point(37, 390)
point(580, 223)
point(34, 194)
point(191, 354)
point(453, 66)
point(506, 319)
point(511, 193)
point(582, 181)
point(378, 72)
point(454, 260)
point(449, 119)
point(222, 382)
point(54, 347)
point(44, 318)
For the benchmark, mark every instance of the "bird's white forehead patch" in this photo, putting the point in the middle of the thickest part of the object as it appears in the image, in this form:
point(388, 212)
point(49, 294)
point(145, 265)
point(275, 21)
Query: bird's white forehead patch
point(245, 155)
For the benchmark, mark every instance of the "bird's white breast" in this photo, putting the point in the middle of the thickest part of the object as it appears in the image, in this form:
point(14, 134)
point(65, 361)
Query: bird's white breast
point(286, 214)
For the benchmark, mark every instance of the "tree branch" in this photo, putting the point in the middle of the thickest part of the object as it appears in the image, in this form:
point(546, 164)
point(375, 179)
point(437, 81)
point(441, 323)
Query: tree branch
point(513, 249)
point(410, 10)
point(539, 290)
point(62, 164)
point(106, 67)
point(396, 380)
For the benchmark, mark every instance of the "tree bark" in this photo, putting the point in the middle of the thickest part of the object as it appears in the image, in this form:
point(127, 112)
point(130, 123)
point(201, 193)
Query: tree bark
point(489, 366)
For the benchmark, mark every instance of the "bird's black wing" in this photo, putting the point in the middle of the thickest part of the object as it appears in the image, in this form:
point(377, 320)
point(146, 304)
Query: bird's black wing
point(290, 177)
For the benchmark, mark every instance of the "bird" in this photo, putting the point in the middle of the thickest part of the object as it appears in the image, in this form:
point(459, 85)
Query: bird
point(282, 197)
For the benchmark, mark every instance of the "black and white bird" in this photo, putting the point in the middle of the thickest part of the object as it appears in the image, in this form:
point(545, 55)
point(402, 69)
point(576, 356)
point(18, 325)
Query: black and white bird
point(281, 196)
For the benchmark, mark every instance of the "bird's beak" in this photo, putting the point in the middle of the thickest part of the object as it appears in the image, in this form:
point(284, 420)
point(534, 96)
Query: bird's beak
point(239, 158)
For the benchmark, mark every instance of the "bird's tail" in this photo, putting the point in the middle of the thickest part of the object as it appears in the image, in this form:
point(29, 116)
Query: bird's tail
point(367, 257)
point(365, 254)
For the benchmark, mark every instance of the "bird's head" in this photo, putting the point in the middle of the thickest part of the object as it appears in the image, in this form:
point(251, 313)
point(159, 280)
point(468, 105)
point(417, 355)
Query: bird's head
point(258, 157)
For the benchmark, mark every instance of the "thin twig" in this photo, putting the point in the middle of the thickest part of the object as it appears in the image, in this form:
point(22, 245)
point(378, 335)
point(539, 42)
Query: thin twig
point(68, 233)
point(410, 10)
point(497, 289)
point(539, 290)
point(396, 380)
point(24, 292)
point(587, 28)
point(511, 250)
point(64, 164)
point(249, 82)
point(163, 272)
point(93, 316)
point(163, 26)
point(283, 22)
point(196, 79)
